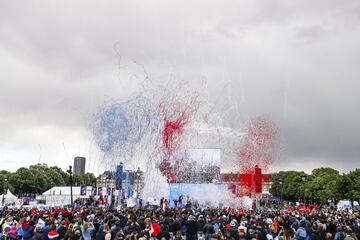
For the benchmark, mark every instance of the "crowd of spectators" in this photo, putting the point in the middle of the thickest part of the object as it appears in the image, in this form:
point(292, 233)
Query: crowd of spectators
point(97, 223)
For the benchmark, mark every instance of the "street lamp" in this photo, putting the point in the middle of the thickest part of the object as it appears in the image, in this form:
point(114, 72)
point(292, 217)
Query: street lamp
point(69, 171)
point(281, 188)
point(303, 177)
point(138, 176)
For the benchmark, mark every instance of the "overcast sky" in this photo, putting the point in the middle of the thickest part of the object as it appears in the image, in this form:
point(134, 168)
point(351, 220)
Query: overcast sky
point(295, 61)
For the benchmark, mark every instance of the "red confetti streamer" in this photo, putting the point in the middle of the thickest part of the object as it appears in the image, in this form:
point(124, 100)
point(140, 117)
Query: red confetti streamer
point(260, 145)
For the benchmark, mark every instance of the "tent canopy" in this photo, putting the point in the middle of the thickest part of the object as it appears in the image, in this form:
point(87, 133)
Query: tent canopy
point(9, 197)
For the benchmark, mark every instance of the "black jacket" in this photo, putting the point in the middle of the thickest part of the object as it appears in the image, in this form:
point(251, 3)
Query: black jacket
point(208, 229)
point(191, 227)
point(100, 236)
point(164, 234)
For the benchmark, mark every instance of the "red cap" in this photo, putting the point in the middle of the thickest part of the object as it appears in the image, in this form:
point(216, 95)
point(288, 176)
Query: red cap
point(276, 224)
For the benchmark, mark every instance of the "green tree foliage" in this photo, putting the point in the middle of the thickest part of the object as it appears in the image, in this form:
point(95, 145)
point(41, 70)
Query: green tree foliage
point(4, 184)
point(57, 176)
point(287, 184)
point(64, 176)
point(78, 180)
point(354, 180)
point(23, 181)
point(318, 172)
point(89, 179)
point(321, 185)
point(38, 178)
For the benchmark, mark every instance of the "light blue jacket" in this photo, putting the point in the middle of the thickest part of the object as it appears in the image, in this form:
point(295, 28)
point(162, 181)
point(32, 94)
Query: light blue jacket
point(86, 233)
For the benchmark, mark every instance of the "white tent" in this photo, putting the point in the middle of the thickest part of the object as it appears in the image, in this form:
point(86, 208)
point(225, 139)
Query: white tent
point(9, 198)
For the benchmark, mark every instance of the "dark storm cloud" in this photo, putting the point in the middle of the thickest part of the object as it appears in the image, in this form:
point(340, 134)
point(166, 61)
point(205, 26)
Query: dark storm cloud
point(295, 61)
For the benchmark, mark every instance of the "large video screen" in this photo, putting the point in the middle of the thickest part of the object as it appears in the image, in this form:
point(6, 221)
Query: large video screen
point(204, 156)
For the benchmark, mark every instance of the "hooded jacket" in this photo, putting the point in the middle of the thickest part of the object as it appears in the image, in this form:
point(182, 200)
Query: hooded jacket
point(28, 232)
point(191, 227)
point(100, 235)
point(155, 228)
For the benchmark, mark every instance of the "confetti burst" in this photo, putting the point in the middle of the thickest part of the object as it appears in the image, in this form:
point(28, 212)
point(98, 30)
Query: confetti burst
point(259, 146)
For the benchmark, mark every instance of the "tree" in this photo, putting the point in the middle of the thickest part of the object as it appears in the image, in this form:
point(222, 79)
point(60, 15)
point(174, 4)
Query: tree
point(56, 177)
point(39, 178)
point(324, 171)
point(344, 186)
point(276, 186)
point(43, 181)
point(64, 175)
point(287, 184)
point(78, 180)
point(322, 185)
point(5, 184)
point(89, 179)
point(34, 180)
point(23, 181)
point(354, 180)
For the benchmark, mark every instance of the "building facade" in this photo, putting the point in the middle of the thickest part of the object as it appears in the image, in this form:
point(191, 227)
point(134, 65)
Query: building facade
point(248, 183)
point(79, 165)
point(127, 182)
point(105, 182)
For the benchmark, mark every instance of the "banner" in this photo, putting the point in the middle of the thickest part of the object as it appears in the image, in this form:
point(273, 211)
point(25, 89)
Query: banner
point(119, 176)
point(83, 190)
point(93, 191)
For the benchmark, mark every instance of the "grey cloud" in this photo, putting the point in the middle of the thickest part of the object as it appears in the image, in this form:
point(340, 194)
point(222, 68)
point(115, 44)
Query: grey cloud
point(292, 60)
